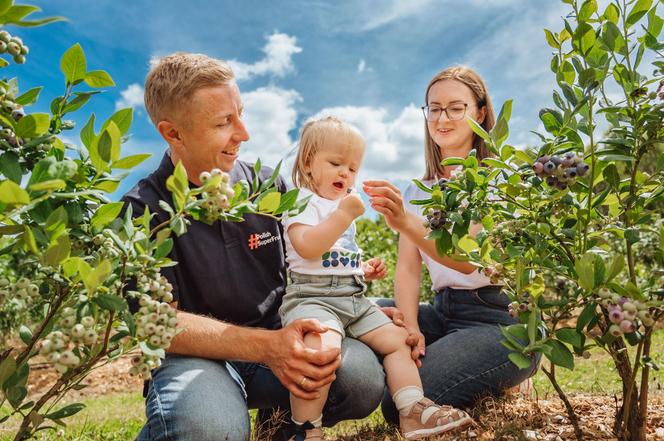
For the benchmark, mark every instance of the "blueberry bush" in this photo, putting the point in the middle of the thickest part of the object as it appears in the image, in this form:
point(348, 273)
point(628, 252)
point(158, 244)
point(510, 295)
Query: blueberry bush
point(71, 260)
point(573, 227)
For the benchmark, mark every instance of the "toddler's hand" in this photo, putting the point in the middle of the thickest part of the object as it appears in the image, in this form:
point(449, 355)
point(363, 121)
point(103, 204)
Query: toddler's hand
point(352, 205)
point(374, 269)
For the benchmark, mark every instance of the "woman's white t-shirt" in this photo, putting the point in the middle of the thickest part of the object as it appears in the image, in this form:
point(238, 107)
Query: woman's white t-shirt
point(344, 258)
point(441, 276)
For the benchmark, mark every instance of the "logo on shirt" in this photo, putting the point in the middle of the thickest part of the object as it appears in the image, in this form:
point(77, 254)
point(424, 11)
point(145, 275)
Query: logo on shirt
point(259, 239)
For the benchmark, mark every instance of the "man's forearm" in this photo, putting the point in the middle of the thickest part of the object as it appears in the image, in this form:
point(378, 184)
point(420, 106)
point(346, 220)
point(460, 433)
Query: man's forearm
point(206, 337)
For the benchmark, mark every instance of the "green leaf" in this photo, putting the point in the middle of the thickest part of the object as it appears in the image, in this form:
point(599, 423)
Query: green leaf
point(478, 129)
point(96, 277)
point(57, 221)
point(12, 194)
point(110, 302)
point(7, 369)
point(520, 360)
point(616, 267)
point(88, 132)
point(98, 79)
point(288, 199)
point(25, 333)
point(10, 167)
point(73, 64)
point(57, 251)
point(639, 10)
point(270, 202)
point(5, 5)
point(106, 214)
point(571, 336)
point(78, 102)
point(586, 271)
point(122, 119)
point(130, 161)
point(560, 355)
point(612, 37)
point(585, 37)
point(32, 125)
point(29, 97)
point(551, 39)
point(67, 411)
point(588, 8)
point(611, 13)
point(51, 184)
point(467, 244)
point(108, 146)
point(29, 240)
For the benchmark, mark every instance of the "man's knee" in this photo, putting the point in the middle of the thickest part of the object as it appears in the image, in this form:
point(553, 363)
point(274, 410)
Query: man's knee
point(196, 399)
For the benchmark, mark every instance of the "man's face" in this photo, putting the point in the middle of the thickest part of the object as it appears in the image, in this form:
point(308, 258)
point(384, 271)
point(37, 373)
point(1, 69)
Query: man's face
point(211, 130)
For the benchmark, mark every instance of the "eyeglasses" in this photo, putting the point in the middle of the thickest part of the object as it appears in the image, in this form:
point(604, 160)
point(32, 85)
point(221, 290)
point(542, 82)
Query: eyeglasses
point(454, 112)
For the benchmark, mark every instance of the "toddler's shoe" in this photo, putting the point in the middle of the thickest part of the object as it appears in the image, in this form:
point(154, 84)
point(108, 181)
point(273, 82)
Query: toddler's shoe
point(444, 419)
point(307, 432)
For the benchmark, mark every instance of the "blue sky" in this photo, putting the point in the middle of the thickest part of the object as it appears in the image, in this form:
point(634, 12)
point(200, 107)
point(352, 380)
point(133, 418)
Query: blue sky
point(366, 61)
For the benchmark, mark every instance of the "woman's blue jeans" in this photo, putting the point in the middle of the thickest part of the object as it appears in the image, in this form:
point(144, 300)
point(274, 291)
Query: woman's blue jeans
point(197, 399)
point(464, 358)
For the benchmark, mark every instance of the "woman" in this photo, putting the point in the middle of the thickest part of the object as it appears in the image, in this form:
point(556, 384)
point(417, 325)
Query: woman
point(459, 334)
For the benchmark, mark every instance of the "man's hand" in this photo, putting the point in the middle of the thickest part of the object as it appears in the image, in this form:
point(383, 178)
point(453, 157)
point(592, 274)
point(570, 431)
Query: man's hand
point(415, 338)
point(291, 360)
point(352, 205)
point(374, 269)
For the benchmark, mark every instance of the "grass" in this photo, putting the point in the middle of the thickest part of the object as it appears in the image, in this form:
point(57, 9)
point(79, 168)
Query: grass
point(119, 417)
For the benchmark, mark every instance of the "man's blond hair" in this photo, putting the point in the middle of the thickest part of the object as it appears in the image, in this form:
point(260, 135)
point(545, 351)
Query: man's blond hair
point(173, 79)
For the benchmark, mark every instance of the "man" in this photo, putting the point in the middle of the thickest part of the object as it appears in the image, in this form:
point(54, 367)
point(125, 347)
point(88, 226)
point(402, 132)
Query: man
point(231, 353)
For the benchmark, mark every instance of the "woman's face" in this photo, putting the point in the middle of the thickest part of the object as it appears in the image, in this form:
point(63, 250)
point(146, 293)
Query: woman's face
point(453, 137)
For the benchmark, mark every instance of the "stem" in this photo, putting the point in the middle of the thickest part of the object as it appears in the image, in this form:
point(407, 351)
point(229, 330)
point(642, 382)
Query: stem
point(627, 402)
point(570, 410)
point(642, 417)
point(37, 333)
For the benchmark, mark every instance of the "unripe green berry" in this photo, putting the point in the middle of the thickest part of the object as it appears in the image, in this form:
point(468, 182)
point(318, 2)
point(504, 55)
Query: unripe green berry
point(19, 59)
point(88, 321)
point(61, 368)
point(78, 330)
point(23, 283)
point(13, 48)
point(5, 36)
point(155, 340)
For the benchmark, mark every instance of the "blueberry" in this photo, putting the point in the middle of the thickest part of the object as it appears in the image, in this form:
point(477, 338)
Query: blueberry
point(582, 169)
point(556, 160)
point(571, 172)
point(561, 186)
point(538, 168)
point(543, 159)
point(551, 181)
point(549, 167)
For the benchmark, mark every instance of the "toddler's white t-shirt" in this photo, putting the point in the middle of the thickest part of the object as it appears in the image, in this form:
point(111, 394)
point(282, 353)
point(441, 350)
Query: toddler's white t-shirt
point(344, 258)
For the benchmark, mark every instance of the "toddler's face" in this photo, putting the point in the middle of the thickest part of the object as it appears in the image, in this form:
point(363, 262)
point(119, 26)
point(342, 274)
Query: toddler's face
point(334, 168)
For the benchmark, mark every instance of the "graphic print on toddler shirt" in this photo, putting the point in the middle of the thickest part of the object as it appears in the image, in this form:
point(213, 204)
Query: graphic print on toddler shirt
point(345, 251)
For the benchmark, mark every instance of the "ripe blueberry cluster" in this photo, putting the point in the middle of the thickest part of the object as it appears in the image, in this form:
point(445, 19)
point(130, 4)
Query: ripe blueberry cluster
point(216, 199)
point(61, 347)
point(23, 291)
point(494, 272)
point(13, 46)
point(560, 172)
point(624, 313)
point(436, 219)
point(515, 308)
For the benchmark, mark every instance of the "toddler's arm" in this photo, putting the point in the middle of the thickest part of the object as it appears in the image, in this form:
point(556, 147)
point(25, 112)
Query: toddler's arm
point(311, 241)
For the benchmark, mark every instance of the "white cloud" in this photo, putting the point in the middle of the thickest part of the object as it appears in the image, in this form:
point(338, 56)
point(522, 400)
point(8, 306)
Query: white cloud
point(270, 116)
point(381, 14)
point(279, 51)
point(361, 66)
point(394, 146)
point(132, 96)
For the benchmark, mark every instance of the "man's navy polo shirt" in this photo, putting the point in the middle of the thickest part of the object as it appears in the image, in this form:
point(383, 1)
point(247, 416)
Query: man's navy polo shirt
point(233, 271)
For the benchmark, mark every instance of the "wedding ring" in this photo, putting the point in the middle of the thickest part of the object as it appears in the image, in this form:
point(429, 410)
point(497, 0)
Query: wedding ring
point(304, 379)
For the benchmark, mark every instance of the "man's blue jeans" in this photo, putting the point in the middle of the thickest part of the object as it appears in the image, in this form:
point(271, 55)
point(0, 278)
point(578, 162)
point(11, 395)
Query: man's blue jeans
point(464, 358)
point(197, 399)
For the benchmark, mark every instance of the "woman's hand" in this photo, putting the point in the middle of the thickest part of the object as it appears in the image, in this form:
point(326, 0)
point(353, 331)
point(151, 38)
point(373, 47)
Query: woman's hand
point(374, 269)
point(386, 199)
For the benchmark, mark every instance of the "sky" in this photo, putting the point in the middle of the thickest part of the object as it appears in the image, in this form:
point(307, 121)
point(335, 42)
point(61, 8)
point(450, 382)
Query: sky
point(368, 62)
